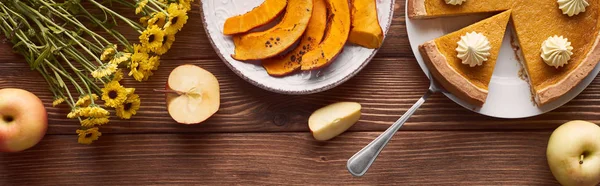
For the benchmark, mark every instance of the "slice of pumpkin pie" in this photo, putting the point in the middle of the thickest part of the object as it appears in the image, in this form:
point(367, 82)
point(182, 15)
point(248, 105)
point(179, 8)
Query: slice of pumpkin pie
point(463, 61)
point(559, 43)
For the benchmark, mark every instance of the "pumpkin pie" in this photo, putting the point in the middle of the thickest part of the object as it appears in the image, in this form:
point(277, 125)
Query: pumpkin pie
point(534, 22)
point(418, 9)
point(466, 82)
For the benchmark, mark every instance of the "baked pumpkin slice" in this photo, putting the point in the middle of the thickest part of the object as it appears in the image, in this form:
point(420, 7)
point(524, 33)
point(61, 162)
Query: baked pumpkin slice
point(271, 42)
point(366, 30)
point(466, 81)
point(290, 62)
point(335, 37)
point(259, 16)
point(537, 21)
point(421, 9)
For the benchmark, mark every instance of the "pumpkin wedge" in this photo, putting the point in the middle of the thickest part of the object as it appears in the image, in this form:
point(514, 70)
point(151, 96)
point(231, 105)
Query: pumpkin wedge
point(284, 65)
point(259, 16)
point(269, 43)
point(365, 30)
point(335, 37)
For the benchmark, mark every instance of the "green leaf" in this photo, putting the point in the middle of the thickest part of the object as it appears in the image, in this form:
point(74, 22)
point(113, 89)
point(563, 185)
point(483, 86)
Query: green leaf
point(18, 44)
point(44, 55)
point(61, 83)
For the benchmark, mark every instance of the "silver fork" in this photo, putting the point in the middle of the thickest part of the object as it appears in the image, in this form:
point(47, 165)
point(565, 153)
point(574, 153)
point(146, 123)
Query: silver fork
point(361, 161)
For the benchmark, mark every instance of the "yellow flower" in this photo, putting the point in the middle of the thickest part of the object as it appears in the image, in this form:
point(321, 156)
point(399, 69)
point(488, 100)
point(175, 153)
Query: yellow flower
point(113, 94)
point(129, 107)
point(140, 6)
point(118, 76)
point(147, 74)
point(177, 18)
point(168, 40)
point(88, 136)
point(129, 91)
point(157, 19)
point(139, 56)
point(144, 20)
point(58, 101)
point(108, 53)
point(91, 122)
point(185, 5)
point(137, 48)
point(137, 61)
point(151, 64)
point(73, 114)
point(104, 70)
point(152, 37)
point(120, 57)
point(93, 111)
point(85, 100)
point(137, 74)
point(155, 61)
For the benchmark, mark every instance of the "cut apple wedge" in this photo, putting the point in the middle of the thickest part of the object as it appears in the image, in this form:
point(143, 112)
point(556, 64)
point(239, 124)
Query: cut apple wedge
point(332, 120)
point(192, 94)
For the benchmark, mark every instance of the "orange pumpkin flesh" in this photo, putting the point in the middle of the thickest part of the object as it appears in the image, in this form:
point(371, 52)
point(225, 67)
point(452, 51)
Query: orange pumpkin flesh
point(266, 44)
point(259, 16)
point(365, 30)
point(335, 39)
point(284, 65)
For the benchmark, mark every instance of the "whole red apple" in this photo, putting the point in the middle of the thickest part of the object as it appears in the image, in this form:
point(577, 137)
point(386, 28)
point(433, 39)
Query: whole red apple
point(23, 120)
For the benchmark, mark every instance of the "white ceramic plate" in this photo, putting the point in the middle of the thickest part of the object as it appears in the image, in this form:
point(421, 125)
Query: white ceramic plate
point(509, 96)
point(347, 64)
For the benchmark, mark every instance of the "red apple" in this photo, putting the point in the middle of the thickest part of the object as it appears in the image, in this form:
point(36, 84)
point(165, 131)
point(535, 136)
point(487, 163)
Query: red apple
point(23, 120)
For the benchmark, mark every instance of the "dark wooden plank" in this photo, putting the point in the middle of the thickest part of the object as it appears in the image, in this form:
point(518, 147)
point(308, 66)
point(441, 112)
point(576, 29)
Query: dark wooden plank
point(193, 38)
point(386, 88)
point(412, 158)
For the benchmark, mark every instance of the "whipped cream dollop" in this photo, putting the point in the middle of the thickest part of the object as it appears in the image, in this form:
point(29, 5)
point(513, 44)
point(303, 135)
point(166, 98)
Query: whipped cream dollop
point(556, 51)
point(473, 49)
point(572, 7)
point(455, 2)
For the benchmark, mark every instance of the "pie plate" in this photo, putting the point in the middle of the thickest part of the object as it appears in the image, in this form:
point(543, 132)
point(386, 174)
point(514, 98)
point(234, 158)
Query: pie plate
point(352, 59)
point(509, 95)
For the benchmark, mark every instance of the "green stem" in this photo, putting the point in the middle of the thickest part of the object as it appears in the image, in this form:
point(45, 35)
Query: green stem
point(76, 23)
point(59, 71)
point(121, 39)
point(134, 25)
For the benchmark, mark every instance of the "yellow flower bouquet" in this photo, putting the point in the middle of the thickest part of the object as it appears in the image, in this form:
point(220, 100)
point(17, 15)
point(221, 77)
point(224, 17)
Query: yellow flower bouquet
point(83, 68)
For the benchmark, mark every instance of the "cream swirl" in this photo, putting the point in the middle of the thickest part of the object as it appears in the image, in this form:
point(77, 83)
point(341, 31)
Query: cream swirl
point(455, 2)
point(473, 49)
point(572, 7)
point(556, 51)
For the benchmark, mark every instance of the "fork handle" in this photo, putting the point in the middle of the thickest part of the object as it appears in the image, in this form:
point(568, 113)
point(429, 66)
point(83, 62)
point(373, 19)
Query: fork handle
point(361, 161)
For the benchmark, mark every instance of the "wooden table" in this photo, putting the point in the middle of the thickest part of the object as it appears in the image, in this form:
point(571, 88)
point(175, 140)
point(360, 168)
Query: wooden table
point(259, 137)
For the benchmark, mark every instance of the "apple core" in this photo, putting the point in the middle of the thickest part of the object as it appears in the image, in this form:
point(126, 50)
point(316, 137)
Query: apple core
point(8, 119)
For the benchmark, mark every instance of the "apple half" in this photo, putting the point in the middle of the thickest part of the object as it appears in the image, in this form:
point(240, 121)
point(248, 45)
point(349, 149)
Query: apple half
point(332, 120)
point(192, 94)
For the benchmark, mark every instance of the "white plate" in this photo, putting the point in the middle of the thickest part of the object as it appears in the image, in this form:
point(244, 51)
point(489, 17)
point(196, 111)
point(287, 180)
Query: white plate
point(509, 96)
point(348, 63)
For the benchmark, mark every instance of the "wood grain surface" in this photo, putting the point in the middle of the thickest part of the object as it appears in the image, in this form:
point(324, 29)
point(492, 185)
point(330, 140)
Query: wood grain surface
point(259, 137)
point(412, 158)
